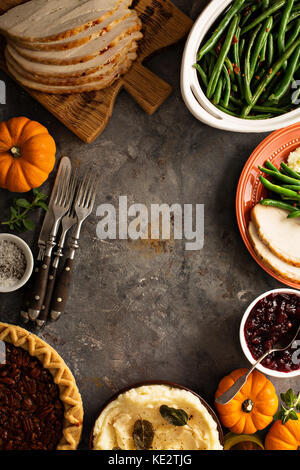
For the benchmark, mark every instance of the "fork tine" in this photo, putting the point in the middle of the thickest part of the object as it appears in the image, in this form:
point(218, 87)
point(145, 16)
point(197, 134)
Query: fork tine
point(82, 190)
point(94, 190)
point(59, 187)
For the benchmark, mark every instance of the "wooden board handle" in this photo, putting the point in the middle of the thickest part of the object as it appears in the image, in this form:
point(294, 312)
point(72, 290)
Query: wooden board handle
point(148, 90)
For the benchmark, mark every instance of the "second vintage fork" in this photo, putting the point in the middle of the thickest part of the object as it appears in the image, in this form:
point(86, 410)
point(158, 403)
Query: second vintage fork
point(83, 207)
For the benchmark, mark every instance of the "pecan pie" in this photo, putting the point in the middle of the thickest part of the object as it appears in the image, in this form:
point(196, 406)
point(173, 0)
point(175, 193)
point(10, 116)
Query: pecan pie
point(40, 406)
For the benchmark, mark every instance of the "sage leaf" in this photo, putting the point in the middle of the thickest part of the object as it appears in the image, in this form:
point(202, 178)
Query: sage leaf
point(143, 434)
point(174, 416)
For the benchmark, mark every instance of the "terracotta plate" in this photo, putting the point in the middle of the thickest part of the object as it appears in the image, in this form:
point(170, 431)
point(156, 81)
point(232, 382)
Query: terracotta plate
point(276, 148)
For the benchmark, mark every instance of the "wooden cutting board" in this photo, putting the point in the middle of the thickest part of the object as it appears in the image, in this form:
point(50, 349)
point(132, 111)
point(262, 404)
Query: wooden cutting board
point(87, 114)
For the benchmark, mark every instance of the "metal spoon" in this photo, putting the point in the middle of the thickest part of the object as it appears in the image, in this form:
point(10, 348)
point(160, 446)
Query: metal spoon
point(283, 343)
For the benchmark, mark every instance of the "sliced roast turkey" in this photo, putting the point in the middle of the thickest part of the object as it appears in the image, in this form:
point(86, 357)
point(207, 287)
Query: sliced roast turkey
point(106, 72)
point(280, 234)
point(112, 54)
point(283, 269)
point(43, 20)
point(92, 32)
point(69, 89)
point(88, 50)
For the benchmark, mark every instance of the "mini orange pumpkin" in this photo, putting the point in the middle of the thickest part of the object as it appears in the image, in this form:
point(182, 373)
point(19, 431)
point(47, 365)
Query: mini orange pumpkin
point(284, 436)
point(27, 154)
point(252, 408)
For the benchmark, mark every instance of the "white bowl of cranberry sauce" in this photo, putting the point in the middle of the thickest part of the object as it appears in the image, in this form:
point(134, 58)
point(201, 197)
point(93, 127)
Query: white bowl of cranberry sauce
point(266, 319)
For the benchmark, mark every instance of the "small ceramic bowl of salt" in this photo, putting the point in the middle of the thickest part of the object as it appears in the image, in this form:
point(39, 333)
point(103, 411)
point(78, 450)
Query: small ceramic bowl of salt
point(16, 262)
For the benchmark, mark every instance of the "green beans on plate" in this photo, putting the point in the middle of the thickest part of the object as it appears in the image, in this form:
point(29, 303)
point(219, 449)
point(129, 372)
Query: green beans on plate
point(250, 59)
point(281, 195)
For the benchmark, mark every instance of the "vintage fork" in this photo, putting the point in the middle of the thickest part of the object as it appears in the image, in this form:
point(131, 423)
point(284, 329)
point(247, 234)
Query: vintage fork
point(60, 206)
point(67, 222)
point(83, 207)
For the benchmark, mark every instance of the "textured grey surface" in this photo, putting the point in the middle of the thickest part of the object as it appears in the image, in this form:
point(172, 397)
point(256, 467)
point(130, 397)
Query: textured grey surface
point(135, 314)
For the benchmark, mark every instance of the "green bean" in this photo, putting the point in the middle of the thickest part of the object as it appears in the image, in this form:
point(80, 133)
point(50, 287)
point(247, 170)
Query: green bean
point(282, 29)
point(288, 77)
point(265, 4)
point(241, 48)
point(294, 15)
point(278, 189)
point(279, 204)
point(294, 214)
point(232, 113)
point(235, 101)
point(293, 187)
point(201, 73)
point(221, 59)
point(236, 58)
point(263, 53)
point(260, 42)
point(280, 176)
point(290, 171)
point(227, 87)
point(248, 14)
point(247, 67)
point(275, 7)
point(270, 50)
point(269, 109)
point(268, 77)
point(220, 29)
point(270, 165)
point(294, 34)
point(218, 92)
point(226, 110)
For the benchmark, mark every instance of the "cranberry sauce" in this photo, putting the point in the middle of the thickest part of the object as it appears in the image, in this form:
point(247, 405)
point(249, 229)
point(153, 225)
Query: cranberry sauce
point(269, 319)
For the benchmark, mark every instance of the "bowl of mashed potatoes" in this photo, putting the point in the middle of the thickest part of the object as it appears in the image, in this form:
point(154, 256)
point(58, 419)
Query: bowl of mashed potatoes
point(156, 416)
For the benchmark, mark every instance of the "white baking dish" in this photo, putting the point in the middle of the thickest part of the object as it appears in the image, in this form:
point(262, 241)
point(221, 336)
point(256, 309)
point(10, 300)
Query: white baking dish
point(193, 96)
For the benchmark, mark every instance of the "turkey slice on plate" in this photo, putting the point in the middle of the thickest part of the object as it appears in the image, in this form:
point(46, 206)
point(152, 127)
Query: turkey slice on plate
point(92, 32)
point(69, 89)
point(88, 50)
point(109, 70)
point(280, 234)
point(43, 20)
point(112, 54)
point(283, 269)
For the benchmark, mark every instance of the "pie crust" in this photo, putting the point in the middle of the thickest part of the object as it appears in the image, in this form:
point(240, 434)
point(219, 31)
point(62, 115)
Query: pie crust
point(62, 376)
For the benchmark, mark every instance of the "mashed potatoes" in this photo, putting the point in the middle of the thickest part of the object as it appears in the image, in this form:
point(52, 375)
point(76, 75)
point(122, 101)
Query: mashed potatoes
point(294, 160)
point(114, 427)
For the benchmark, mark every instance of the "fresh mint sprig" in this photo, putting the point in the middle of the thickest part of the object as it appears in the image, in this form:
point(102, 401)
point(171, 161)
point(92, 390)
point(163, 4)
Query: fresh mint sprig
point(291, 401)
point(19, 211)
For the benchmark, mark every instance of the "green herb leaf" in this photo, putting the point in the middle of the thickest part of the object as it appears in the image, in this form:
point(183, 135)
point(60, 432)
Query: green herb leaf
point(174, 416)
point(43, 205)
point(20, 209)
point(23, 203)
point(143, 434)
point(28, 224)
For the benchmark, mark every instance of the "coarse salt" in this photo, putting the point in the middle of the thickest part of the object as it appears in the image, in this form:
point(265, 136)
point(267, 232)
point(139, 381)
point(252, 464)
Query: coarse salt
point(12, 263)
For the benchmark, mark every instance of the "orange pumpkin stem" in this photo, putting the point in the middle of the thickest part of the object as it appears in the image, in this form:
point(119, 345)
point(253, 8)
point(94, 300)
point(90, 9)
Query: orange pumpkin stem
point(16, 152)
point(247, 406)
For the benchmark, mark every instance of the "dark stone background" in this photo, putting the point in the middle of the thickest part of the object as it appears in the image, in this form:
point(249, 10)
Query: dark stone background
point(134, 313)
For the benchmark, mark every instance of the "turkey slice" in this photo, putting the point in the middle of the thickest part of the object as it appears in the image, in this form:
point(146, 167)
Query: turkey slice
point(280, 234)
point(69, 89)
point(279, 267)
point(105, 72)
point(77, 70)
point(43, 20)
point(88, 50)
point(92, 32)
